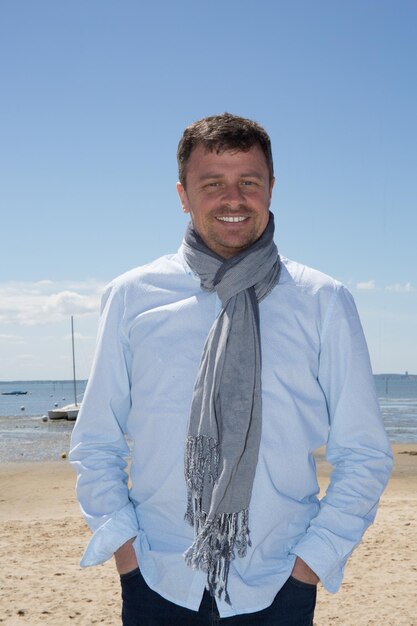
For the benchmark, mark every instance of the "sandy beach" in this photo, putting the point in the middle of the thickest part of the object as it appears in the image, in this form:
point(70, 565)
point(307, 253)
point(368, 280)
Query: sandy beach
point(42, 537)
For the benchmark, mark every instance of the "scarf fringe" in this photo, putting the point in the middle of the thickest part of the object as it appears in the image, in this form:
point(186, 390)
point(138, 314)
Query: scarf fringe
point(215, 545)
point(201, 463)
point(217, 539)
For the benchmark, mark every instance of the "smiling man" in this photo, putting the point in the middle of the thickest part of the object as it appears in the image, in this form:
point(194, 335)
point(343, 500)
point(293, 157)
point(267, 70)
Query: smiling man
point(227, 365)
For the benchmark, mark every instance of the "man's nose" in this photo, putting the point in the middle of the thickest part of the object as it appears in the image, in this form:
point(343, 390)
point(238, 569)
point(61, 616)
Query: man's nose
point(233, 195)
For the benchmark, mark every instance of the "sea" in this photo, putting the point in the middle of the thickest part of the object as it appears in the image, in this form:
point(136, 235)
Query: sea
point(26, 436)
point(397, 395)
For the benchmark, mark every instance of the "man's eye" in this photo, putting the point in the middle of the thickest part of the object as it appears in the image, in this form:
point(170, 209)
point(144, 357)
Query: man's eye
point(248, 183)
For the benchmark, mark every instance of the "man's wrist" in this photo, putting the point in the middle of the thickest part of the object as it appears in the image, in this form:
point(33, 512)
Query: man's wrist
point(125, 557)
point(301, 571)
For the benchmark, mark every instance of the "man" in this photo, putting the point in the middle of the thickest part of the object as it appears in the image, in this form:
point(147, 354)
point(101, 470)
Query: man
point(227, 366)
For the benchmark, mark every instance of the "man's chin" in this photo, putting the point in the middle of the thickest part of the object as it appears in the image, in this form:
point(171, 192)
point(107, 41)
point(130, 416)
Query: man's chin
point(228, 249)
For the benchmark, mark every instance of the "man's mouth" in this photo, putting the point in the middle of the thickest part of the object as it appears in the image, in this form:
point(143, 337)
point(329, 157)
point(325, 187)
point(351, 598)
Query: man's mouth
point(240, 218)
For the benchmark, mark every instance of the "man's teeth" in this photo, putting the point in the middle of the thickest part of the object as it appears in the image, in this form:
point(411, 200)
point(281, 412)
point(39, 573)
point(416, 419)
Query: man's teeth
point(232, 219)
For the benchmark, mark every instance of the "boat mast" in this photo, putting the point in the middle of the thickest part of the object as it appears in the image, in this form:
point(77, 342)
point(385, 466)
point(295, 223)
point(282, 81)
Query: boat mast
point(73, 361)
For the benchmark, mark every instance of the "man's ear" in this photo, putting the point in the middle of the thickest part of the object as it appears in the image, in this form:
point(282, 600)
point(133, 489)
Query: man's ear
point(183, 197)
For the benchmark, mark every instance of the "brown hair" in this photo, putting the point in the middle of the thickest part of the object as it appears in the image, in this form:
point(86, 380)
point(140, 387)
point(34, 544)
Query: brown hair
point(220, 133)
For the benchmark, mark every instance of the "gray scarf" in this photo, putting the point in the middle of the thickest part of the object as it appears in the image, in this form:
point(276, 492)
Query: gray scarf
point(225, 423)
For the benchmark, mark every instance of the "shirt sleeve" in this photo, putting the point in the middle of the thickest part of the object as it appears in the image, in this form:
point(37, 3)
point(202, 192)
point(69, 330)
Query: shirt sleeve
point(98, 447)
point(357, 448)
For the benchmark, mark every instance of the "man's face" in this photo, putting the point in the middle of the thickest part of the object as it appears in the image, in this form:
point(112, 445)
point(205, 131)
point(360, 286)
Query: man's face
point(228, 196)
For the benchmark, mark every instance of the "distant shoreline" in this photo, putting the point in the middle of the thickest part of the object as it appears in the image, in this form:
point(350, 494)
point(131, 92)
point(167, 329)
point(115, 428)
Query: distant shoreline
point(84, 380)
point(405, 375)
point(46, 380)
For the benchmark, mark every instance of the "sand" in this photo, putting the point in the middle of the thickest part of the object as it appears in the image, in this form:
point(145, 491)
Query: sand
point(42, 537)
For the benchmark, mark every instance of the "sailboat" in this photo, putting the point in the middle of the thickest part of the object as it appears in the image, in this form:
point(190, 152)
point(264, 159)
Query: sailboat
point(70, 411)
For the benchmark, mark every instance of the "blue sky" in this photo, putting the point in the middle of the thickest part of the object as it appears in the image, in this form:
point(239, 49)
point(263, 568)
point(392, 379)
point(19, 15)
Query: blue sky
point(95, 96)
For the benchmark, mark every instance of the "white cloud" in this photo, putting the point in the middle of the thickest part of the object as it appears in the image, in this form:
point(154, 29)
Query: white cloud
point(46, 301)
point(398, 288)
point(367, 286)
point(26, 357)
point(12, 339)
point(67, 303)
point(80, 337)
point(370, 285)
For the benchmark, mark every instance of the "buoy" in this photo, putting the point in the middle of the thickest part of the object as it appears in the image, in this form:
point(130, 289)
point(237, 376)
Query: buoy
point(56, 404)
point(64, 455)
point(44, 418)
point(22, 408)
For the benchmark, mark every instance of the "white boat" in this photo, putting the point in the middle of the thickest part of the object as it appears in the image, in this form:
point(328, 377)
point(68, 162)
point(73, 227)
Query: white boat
point(70, 411)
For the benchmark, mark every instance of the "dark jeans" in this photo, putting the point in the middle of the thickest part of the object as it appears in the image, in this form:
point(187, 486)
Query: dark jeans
point(293, 606)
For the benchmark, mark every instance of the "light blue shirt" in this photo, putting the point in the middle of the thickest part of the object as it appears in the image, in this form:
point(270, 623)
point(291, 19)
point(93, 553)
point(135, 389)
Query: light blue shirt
point(317, 389)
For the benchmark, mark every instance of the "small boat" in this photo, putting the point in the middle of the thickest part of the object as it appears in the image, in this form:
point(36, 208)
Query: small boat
point(13, 393)
point(68, 412)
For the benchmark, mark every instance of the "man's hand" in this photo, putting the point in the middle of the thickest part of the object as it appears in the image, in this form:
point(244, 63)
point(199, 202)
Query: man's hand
point(301, 571)
point(125, 557)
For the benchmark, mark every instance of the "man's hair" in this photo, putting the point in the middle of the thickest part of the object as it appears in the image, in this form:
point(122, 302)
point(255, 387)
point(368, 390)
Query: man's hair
point(220, 133)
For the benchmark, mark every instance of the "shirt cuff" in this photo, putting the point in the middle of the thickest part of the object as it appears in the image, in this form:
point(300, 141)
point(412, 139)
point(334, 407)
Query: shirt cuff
point(321, 559)
point(110, 536)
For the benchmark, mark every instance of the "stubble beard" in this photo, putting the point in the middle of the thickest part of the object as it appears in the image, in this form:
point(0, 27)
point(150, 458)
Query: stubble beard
point(228, 247)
